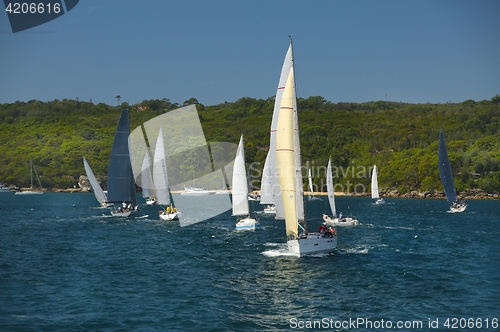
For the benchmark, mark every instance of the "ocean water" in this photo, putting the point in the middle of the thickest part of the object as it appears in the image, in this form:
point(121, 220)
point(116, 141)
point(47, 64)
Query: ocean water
point(66, 265)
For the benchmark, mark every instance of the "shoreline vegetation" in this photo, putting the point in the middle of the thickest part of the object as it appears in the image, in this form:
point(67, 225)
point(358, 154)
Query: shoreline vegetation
point(400, 138)
point(472, 194)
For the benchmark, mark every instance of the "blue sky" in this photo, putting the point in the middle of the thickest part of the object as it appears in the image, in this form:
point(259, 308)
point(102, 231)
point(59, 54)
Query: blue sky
point(217, 50)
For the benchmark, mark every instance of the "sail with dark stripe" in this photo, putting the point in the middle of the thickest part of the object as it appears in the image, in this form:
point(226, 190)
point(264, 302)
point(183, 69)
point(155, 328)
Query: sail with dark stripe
point(121, 184)
point(445, 170)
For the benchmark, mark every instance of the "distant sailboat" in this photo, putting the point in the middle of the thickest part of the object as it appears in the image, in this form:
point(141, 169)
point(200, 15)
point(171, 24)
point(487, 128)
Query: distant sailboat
point(121, 184)
point(290, 180)
point(147, 181)
point(311, 197)
point(160, 180)
point(447, 177)
point(240, 192)
point(375, 193)
point(98, 192)
point(340, 220)
point(31, 191)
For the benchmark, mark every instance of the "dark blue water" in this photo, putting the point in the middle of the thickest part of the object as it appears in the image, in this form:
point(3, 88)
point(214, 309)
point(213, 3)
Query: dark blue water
point(66, 265)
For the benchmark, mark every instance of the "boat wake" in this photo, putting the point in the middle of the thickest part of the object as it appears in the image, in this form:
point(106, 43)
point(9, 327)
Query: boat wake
point(281, 250)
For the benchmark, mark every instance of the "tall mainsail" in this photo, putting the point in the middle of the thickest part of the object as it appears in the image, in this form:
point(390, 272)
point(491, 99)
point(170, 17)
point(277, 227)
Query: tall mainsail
point(375, 193)
point(285, 158)
point(270, 193)
point(121, 184)
point(445, 170)
point(329, 188)
point(239, 187)
point(160, 178)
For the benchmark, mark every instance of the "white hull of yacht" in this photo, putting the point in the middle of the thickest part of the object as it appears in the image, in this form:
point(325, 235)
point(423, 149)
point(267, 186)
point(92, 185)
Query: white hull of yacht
point(169, 216)
point(337, 222)
point(312, 244)
point(458, 209)
point(29, 192)
point(122, 213)
point(270, 210)
point(248, 223)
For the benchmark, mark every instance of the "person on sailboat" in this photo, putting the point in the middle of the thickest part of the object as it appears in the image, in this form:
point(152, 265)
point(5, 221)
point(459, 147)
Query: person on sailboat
point(322, 228)
point(340, 216)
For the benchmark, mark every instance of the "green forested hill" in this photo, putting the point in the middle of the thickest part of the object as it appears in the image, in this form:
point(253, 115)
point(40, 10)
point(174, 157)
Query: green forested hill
point(400, 138)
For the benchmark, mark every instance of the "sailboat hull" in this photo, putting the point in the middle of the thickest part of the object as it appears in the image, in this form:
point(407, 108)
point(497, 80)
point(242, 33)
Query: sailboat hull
point(28, 192)
point(312, 244)
point(117, 213)
point(460, 208)
point(336, 222)
point(247, 224)
point(169, 216)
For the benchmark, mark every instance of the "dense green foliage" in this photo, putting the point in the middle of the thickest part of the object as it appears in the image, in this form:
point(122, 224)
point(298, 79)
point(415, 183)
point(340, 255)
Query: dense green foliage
point(401, 139)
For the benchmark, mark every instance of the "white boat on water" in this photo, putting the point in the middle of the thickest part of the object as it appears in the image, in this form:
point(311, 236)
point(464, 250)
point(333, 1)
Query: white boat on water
point(31, 191)
point(240, 192)
point(447, 177)
point(99, 194)
point(121, 184)
point(160, 181)
point(300, 241)
point(311, 197)
point(375, 193)
point(195, 191)
point(270, 209)
point(4, 189)
point(334, 220)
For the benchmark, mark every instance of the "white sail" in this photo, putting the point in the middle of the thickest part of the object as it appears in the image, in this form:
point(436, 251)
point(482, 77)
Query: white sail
point(98, 192)
point(309, 176)
point(270, 190)
point(285, 158)
point(329, 188)
point(160, 177)
point(240, 184)
point(146, 178)
point(266, 188)
point(374, 183)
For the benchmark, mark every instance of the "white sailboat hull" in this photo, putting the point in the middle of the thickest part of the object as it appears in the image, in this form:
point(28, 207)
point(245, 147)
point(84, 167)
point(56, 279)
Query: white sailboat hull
point(169, 216)
point(247, 224)
point(380, 201)
point(151, 201)
point(270, 209)
point(122, 213)
point(458, 209)
point(28, 192)
point(311, 244)
point(337, 222)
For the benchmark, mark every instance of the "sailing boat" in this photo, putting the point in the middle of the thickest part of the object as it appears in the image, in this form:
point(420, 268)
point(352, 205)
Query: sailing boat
point(31, 191)
point(147, 181)
point(290, 180)
point(240, 192)
point(375, 193)
point(447, 177)
point(121, 184)
point(160, 180)
point(311, 188)
point(98, 192)
point(334, 221)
